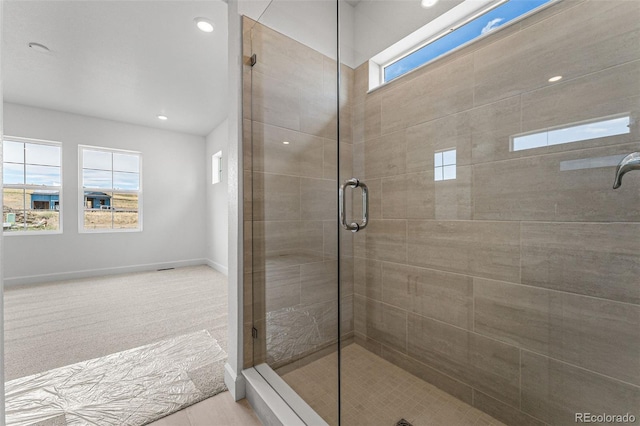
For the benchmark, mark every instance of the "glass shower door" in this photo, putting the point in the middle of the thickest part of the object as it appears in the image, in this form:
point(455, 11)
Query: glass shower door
point(291, 142)
point(497, 280)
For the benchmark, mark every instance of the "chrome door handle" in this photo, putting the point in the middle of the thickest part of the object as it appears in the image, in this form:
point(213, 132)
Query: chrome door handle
point(354, 227)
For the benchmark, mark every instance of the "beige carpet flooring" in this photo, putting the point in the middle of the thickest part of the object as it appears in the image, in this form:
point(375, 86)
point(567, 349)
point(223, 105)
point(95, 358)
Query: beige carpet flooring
point(56, 324)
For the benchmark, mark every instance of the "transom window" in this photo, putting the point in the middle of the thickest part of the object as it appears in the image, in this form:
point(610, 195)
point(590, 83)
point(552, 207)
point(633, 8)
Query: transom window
point(32, 180)
point(460, 26)
point(111, 189)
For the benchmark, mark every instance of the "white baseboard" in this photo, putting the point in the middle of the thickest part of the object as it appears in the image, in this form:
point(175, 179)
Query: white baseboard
point(234, 382)
point(87, 273)
point(218, 267)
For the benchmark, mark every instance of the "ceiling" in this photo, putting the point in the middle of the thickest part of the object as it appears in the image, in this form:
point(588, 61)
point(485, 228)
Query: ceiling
point(126, 61)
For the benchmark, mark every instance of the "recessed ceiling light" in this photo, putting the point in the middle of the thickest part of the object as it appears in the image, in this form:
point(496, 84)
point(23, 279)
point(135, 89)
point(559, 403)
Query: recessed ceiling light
point(285, 142)
point(163, 117)
point(39, 47)
point(554, 79)
point(204, 24)
point(428, 3)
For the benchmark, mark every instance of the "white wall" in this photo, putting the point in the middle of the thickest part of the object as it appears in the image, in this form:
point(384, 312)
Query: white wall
point(216, 214)
point(173, 176)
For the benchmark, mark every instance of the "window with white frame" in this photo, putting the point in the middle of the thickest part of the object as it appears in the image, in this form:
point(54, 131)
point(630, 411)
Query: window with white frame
point(110, 189)
point(32, 183)
point(444, 165)
point(216, 167)
point(460, 26)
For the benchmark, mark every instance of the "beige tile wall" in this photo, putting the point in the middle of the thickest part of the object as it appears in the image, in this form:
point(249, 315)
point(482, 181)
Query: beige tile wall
point(516, 286)
point(291, 264)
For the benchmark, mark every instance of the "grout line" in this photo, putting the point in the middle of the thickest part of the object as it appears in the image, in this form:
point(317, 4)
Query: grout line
point(520, 378)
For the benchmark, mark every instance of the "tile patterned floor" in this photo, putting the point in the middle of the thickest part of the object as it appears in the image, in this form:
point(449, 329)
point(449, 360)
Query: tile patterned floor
point(377, 393)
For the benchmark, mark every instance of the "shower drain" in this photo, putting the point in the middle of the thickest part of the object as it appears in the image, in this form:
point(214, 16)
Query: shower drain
point(403, 422)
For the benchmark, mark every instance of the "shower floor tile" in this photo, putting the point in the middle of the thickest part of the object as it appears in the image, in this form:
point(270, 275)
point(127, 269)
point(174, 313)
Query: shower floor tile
point(377, 393)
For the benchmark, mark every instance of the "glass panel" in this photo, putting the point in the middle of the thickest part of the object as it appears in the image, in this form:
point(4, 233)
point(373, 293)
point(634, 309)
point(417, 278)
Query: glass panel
point(512, 282)
point(97, 219)
point(98, 160)
point(96, 179)
point(13, 152)
point(13, 174)
point(43, 175)
point(125, 211)
point(128, 181)
point(293, 174)
point(43, 210)
point(45, 155)
point(126, 163)
point(13, 209)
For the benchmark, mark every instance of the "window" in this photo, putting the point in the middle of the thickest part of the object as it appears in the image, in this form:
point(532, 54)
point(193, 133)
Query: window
point(458, 27)
point(32, 180)
point(575, 132)
point(111, 190)
point(444, 165)
point(216, 167)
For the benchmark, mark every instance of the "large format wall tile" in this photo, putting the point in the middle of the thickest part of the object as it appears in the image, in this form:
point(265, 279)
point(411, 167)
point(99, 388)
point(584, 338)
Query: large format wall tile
point(303, 156)
point(554, 391)
point(553, 188)
point(485, 249)
point(409, 196)
point(282, 287)
point(282, 57)
point(385, 156)
point(319, 282)
point(485, 364)
point(492, 126)
point(386, 240)
point(276, 197)
point(275, 102)
point(596, 334)
point(368, 278)
point(608, 92)
point(503, 412)
point(443, 296)
point(590, 37)
point(318, 200)
point(453, 198)
point(331, 160)
point(446, 133)
point(439, 92)
point(318, 115)
point(595, 259)
point(386, 324)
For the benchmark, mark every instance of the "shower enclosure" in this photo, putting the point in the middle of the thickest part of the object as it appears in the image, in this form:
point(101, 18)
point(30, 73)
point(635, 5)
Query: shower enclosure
point(445, 246)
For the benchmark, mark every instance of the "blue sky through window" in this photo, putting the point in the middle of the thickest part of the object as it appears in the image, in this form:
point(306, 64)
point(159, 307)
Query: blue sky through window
point(495, 18)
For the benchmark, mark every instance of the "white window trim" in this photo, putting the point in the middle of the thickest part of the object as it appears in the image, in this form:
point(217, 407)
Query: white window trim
point(456, 17)
point(36, 187)
point(216, 168)
point(81, 191)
